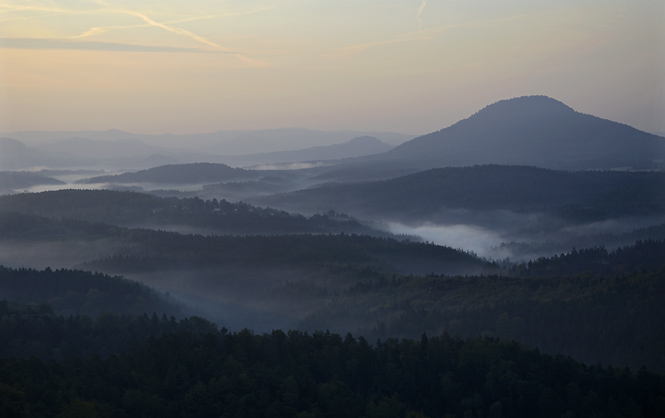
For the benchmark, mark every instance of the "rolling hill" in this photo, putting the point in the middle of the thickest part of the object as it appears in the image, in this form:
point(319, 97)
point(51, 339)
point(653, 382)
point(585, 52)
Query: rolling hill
point(195, 173)
point(190, 214)
point(427, 194)
point(10, 181)
point(357, 147)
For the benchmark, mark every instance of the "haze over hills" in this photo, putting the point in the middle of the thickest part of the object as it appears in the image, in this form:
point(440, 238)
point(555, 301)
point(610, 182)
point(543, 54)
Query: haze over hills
point(117, 150)
point(179, 174)
point(290, 139)
point(11, 181)
point(480, 208)
point(231, 142)
point(532, 130)
point(256, 238)
point(356, 147)
point(82, 153)
point(102, 148)
point(15, 155)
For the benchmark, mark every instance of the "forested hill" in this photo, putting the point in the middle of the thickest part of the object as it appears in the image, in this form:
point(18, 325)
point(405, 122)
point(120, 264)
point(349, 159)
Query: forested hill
point(195, 173)
point(76, 292)
point(194, 370)
point(209, 216)
point(533, 130)
point(584, 195)
point(611, 318)
point(20, 180)
point(647, 255)
point(244, 261)
point(231, 262)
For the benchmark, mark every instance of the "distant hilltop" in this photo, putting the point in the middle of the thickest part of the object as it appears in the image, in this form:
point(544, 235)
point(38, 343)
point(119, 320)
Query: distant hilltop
point(533, 130)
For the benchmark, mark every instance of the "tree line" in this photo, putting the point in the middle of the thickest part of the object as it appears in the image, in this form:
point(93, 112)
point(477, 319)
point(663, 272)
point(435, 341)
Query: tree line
point(189, 368)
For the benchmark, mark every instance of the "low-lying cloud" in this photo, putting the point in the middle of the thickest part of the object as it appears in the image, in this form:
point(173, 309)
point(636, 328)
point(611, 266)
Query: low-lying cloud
point(466, 237)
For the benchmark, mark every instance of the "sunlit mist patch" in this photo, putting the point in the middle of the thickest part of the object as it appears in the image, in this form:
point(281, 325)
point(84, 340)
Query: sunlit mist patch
point(466, 237)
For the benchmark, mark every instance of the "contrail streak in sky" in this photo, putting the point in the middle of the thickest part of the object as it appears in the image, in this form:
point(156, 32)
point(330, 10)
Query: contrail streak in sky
point(420, 11)
point(148, 21)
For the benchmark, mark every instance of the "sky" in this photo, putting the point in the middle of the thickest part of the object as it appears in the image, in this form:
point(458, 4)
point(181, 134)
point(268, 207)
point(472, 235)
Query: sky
point(409, 66)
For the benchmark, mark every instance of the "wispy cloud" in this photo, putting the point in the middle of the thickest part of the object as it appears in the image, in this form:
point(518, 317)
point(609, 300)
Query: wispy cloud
point(69, 44)
point(420, 11)
point(178, 31)
point(61, 43)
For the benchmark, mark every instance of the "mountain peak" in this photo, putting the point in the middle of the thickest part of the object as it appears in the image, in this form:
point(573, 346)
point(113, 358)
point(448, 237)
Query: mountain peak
point(533, 130)
point(525, 106)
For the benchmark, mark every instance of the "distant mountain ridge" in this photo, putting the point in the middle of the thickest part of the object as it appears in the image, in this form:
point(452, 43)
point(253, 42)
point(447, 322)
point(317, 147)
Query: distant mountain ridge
point(179, 174)
point(15, 155)
point(532, 130)
point(80, 153)
point(359, 146)
point(223, 142)
point(117, 150)
point(356, 147)
point(90, 148)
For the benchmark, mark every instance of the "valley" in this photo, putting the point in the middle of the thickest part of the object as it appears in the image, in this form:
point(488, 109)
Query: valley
point(564, 254)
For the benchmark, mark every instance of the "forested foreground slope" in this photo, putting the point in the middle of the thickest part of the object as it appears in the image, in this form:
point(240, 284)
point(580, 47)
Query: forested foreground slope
point(76, 292)
point(610, 320)
point(194, 370)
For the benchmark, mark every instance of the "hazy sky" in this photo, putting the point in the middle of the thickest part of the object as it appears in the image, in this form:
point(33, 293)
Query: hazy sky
point(411, 66)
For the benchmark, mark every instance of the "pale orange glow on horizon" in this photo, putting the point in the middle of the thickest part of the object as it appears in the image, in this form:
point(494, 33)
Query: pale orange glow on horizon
point(407, 66)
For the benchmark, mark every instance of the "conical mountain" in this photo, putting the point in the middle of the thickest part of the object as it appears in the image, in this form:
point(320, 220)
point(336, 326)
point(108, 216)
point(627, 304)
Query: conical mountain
point(533, 130)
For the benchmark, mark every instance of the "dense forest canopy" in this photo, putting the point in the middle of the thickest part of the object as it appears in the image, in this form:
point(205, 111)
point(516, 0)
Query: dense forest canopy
point(189, 368)
point(598, 306)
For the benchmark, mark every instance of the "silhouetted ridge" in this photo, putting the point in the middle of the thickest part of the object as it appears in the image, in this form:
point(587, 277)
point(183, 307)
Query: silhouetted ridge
point(366, 140)
point(9, 144)
point(533, 130)
point(179, 174)
point(537, 103)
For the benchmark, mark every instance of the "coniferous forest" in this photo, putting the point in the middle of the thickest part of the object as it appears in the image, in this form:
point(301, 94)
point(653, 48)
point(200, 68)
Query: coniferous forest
point(190, 368)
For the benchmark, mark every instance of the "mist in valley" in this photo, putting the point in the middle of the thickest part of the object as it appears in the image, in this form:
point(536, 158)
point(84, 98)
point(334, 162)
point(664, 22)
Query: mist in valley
point(325, 209)
point(396, 243)
point(528, 237)
point(373, 247)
